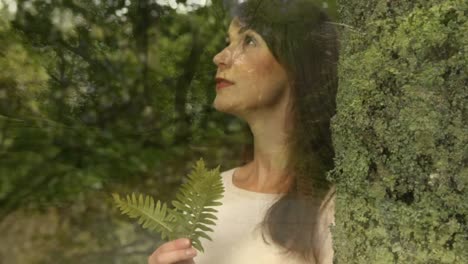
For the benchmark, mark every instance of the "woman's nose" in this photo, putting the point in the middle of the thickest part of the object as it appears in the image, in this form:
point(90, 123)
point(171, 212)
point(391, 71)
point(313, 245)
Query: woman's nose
point(222, 58)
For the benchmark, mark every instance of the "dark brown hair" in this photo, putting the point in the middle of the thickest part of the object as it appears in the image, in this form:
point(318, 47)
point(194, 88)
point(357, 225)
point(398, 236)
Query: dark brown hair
point(303, 39)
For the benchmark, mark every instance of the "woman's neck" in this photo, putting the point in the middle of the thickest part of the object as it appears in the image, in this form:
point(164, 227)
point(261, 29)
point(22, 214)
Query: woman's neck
point(254, 177)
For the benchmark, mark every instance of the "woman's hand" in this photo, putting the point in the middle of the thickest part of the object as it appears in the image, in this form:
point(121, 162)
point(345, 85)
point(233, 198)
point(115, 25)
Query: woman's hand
point(174, 252)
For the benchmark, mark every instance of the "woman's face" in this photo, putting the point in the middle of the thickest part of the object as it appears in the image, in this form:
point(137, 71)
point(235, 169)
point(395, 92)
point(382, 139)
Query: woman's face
point(258, 80)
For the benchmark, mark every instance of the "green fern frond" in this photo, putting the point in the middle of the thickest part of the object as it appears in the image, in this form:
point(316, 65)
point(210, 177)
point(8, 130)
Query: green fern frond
point(150, 215)
point(192, 211)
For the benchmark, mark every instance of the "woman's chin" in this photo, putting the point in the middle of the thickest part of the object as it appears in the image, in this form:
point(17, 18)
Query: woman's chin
point(225, 107)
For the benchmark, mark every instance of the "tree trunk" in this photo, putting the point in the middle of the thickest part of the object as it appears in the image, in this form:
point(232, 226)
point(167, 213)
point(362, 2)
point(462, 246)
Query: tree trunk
point(400, 133)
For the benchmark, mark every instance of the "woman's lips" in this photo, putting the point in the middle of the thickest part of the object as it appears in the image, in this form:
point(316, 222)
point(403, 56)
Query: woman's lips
point(223, 84)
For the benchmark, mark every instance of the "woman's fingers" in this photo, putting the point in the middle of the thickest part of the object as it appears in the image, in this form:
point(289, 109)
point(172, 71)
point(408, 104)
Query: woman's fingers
point(171, 257)
point(172, 252)
point(172, 245)
point(189, 261)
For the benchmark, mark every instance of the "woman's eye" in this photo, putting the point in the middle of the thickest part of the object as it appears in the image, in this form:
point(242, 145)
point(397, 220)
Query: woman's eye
point(249, 39)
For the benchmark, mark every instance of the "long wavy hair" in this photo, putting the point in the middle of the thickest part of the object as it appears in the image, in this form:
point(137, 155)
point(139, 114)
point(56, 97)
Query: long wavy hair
point(303, 39)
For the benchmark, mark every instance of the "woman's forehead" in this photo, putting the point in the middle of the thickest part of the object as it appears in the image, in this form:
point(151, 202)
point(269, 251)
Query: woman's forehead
point(236, 22)
point(237, 27)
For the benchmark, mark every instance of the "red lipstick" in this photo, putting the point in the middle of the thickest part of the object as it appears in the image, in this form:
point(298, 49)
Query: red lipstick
point(222, 83)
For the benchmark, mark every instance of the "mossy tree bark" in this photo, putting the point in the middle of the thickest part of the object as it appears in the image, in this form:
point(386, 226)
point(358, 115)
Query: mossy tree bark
point(400, 133)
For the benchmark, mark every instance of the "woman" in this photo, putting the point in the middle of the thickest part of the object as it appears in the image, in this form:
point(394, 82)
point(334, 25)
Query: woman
point(278, 73)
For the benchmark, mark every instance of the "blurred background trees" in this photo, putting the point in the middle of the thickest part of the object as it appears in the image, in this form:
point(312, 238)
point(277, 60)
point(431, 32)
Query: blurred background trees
point(102, 96)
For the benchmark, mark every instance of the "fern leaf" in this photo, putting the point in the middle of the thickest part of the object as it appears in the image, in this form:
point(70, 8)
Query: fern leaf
point(152, 216)
point(192, 212)
point(194, 198)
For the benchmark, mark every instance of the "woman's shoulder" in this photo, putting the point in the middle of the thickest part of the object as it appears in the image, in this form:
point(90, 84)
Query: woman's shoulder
point(327, 219)
point(329, 200)
point(227, 172)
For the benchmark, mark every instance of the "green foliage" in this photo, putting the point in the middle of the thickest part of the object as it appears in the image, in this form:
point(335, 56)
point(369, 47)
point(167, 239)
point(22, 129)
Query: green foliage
point(192, 211)
point(91, 89)
point(96, 95)
point(400, 133)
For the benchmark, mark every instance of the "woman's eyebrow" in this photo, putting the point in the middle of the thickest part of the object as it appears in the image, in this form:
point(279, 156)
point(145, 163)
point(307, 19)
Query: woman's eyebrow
point(239, 32)
point(243, 30)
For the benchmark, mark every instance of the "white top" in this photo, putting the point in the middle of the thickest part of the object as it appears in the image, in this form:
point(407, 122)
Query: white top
point(236, 238)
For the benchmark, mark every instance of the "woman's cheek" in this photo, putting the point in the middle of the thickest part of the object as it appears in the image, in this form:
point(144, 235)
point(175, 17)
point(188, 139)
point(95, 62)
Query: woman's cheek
point(239, 59)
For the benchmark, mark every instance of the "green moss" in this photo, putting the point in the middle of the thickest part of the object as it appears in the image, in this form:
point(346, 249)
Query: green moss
point(400, 133)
